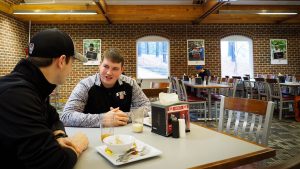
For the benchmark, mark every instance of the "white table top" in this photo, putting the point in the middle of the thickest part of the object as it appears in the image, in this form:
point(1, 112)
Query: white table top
point(200, 146)
point(295, 84)
point(206, 86)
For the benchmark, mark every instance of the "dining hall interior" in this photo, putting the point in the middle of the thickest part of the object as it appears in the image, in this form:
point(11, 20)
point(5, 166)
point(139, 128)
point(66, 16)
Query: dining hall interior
point(250, 50)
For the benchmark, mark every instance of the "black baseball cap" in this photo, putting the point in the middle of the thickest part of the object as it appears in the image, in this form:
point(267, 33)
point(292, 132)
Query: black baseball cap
point(52, 43)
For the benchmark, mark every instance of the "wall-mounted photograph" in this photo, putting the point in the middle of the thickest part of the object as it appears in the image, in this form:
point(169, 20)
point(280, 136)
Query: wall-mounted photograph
point(92, 51)
point(195, 52)
point(278, 51)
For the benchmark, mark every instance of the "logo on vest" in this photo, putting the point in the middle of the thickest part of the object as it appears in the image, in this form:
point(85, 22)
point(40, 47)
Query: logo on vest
point(121, 94)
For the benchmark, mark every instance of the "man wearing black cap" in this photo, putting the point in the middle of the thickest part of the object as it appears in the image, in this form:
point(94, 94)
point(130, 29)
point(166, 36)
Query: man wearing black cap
point(31, 134)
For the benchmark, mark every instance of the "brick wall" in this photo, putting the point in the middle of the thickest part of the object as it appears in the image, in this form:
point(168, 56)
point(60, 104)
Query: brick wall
point(13, 40)
point(124, 37)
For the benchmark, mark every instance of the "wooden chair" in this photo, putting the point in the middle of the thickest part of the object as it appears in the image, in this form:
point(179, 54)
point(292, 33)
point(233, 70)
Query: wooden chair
point(157, 85)
point(173, 85)
point(276, 94)
point(217, 98)
point(255, 122)
point(248, 89)
point(153, 94)
point(262, 89)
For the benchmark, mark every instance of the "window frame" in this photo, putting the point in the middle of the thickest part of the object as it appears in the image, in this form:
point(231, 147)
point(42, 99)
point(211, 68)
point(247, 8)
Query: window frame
point(240, 38)
point(153, 38)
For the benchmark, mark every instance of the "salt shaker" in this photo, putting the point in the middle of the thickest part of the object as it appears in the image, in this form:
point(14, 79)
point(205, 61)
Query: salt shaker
point(181, 128)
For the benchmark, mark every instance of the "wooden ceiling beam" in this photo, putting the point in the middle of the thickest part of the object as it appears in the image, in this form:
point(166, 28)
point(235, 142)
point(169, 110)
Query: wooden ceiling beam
point(154, 9)
point(103, 8)
point(209, 8)
point(5, 7)
point(244, 18)
point(63, 18)
point(119, 14)
point(290, 19)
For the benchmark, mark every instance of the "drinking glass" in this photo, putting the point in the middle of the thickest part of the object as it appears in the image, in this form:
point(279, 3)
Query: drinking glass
point(106, 126)
point(137, 117)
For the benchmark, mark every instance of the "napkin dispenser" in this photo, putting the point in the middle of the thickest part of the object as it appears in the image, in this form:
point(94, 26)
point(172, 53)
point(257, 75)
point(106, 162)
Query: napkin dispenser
point(185, 78)
point(161, 116)
point(198, 80)
point(281, 79)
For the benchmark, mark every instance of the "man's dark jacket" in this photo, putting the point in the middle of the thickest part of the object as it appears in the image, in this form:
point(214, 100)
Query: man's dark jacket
point(27, 122)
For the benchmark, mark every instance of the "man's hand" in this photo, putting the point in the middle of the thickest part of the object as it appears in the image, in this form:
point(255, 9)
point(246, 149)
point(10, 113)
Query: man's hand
point(67, 143)
point(78, 143)
point(115, 117)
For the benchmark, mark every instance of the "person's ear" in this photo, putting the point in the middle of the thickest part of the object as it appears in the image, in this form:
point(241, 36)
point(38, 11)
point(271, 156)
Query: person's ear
point(61, 61)
point(122, 69)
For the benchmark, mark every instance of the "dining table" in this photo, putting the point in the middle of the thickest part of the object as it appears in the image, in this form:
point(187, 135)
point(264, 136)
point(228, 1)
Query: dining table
point(209, 87)
point(200, 148)
point(294, 87)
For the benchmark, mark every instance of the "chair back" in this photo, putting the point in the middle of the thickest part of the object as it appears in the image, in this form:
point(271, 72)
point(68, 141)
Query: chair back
point(248, 88)
point(247, 118)
point(232, 91)
point(214, 79)
point(182, 94)
point(274, 88)
point(158, 85)
point(262, 88)
point(236, 77)
point(223, 80)
point(174, 85)
point(153, 94)
point(246, 78)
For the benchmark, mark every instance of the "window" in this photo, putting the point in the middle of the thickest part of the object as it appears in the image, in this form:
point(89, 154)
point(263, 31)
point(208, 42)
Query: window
point(236, 56)
point(153, 57)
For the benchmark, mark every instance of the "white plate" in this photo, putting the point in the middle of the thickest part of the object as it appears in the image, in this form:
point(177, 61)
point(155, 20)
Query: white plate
point(147, 121)
point(113, 158)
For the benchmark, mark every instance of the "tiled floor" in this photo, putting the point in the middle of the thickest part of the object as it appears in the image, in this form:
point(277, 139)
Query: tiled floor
point(284, 138)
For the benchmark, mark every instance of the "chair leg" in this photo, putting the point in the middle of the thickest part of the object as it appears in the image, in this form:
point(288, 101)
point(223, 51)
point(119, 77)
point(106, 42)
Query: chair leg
point(216, 111)
point(216, 108)
point(205, 112)
point(280, 110)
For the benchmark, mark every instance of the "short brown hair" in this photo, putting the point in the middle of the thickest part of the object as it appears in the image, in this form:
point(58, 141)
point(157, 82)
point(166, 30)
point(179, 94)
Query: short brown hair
point(44, 62)
point(114, 55)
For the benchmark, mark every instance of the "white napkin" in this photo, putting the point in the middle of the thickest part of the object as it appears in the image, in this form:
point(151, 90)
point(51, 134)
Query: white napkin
point(168, 98)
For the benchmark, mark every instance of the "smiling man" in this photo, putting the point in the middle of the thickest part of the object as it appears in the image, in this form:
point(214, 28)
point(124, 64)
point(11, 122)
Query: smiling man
point(108, 93)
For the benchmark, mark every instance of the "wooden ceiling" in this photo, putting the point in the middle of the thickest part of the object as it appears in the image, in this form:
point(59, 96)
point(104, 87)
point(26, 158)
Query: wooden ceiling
point(158, 11)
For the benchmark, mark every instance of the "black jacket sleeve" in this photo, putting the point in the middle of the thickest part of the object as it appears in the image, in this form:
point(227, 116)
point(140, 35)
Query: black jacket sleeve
point(53, 119)
point(25, 132)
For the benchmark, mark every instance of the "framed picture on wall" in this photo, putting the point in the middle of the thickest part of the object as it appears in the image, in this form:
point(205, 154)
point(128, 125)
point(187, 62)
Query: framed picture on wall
point(278, 51)
point(195, 52)
point(92, 51)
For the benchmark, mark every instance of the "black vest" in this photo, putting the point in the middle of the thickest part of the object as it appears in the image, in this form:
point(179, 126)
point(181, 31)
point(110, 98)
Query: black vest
point(100, 99)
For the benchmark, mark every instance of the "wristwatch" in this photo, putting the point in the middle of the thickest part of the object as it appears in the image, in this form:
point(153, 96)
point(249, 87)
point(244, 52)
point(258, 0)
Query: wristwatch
point(60, 135)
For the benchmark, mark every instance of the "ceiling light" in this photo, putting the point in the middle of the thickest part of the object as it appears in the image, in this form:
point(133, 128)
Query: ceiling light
point(277, 13)
point(261, 12)
point(55, 12)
